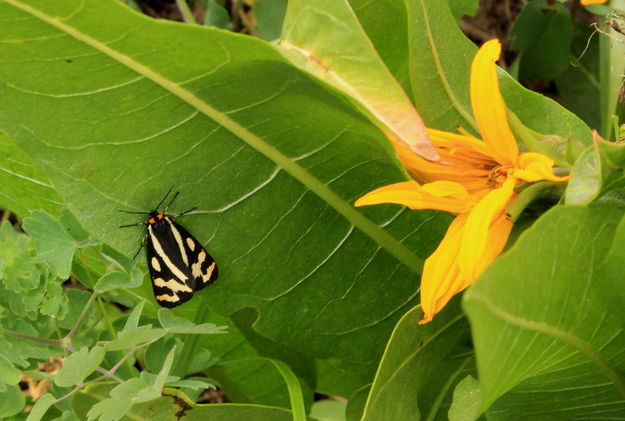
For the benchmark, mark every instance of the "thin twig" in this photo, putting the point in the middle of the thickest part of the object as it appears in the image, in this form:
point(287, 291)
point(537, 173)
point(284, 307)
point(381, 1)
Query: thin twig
point(83, 314)
point(58, 342)
point(62, 398)
point(109, 375)
point(473, 31)
point(131, 351)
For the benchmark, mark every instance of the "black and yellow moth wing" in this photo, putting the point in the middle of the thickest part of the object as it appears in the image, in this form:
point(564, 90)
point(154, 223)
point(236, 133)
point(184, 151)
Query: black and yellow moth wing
point(203, 266)
point(169, 264)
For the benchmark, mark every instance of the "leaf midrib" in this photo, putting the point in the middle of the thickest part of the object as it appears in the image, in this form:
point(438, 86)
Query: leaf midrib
point(372, 230)
point(440, 72)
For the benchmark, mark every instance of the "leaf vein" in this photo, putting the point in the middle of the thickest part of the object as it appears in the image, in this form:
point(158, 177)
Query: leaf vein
point(340, 205)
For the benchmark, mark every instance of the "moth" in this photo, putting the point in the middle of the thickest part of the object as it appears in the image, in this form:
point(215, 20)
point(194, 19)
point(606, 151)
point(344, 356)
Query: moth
point(179, 265)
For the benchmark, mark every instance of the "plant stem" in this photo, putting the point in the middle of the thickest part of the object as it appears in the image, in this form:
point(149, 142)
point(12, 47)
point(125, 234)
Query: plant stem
point(534, 191)
point(189, 345)
point(59, 342)
point(82, 316)
point(113, 333)
point(185, 11)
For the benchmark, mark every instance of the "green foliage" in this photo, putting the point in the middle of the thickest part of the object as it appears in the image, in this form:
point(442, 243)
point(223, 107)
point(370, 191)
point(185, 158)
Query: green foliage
point(578, 84)
point(12, 401)
point(163, 408)
point(19, 273)
point(8, 373)
point(599, 169)
point(328, 410)
point(215, 14)
point(460, 8)
point(413, 365)
point(272, 144)
point(79, 365)
point(41, 406)
point(30, 264)
point(269, 16)
point(24, 185)
point(550, 325)
point(174, 324)
point(543, 34)
point(466, 401)
point(55, 243)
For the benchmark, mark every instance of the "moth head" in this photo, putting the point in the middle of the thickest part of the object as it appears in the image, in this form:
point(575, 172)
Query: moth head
point(155, 216)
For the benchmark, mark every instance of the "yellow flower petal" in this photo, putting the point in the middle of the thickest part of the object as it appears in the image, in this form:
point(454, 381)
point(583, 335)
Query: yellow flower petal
point(476, 180)
point(498, 234)
point(445, 189)
point(533, 166)
point(442, 139)
point(476, 232)
point(589, 2)
point(442, 278)
point(488, 106)
point(463, 166)
point(440, 271)
point(442, 195)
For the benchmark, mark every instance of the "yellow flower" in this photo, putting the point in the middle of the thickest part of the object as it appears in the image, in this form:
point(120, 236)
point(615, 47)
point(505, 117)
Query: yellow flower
point(476, 181)
point(589, 2)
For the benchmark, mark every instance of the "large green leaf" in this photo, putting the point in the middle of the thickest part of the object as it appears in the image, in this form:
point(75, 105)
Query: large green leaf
point(427, 52)
point(546, 346)
point(24, 185)
point(609, 277)
point(419, 369)
point(325, 38)
point(271, 158)
point(240, 374)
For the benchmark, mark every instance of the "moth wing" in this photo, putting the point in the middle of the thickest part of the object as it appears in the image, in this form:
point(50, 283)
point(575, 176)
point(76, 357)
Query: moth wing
point(172, 281)
point(202, 266)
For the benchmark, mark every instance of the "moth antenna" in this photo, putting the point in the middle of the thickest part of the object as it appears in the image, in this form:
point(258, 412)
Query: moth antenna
point(161, 202)
point(170, 203)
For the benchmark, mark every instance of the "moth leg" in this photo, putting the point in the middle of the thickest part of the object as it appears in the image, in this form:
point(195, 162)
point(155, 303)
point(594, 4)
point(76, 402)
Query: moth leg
point(143, 240)
point(133, 225)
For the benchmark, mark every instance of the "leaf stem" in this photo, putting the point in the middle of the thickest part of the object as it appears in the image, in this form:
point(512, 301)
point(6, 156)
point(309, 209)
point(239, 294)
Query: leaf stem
point(113, 333)
point(295, 390)
point(185, 11)
point(59, 342)
point(106, 375)
point(542, 189)
point(82, 316)
point(190, 344)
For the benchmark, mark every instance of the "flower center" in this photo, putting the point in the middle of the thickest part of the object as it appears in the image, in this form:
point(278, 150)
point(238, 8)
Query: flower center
point(498, 175)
